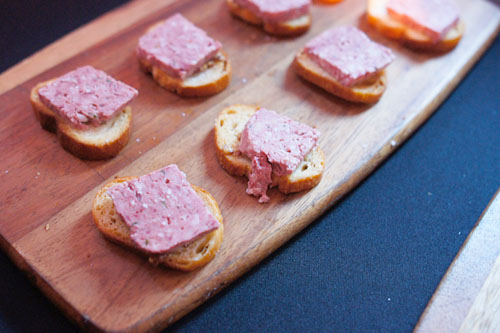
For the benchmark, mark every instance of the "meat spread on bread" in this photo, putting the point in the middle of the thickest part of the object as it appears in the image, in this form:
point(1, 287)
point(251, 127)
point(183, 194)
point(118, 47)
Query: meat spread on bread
point(433, 18)
point(86, 97)
point(161, 215)
point(88, 109)
point(277, 10)
point(328, 1)
point(345, 62)
point(431, 25)
point(269, 148)
point(183, 58)
point(278, 17)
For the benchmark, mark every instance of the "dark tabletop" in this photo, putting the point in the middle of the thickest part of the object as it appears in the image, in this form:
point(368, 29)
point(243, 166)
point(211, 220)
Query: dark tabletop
point(372, 262)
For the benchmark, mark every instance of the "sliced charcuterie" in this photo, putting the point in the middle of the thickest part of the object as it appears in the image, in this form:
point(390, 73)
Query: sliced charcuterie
point(183, 59)
point(430, 25)
point(161, 216)
point(278, 17)
point(269, 148)
point(346, 63)
point(88, 109)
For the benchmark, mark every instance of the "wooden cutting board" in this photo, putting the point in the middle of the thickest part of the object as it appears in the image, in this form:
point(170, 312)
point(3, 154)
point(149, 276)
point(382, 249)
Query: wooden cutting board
point(46, 225)
point(467, 299)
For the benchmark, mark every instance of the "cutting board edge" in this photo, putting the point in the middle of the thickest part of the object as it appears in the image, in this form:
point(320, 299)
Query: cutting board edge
point(471, 238)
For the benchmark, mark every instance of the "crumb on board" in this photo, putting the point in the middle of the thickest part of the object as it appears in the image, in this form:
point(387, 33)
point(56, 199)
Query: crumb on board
point(47, 227)
point(138, 140)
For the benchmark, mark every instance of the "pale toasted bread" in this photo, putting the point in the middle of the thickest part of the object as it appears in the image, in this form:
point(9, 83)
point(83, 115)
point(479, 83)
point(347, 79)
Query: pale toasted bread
point(211, 79)
point(228, 128)
point(96, 143)
point(293, 27)
point(187, 257)
point(327, 1)
point(378, 17)
point(366, 92)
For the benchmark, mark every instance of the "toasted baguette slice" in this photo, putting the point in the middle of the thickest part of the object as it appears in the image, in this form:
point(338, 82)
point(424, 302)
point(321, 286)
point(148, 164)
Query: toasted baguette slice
point(228, 128)
point(364, 92)
point(378, 17)
point(293, 27)
point(213, 77)
point(43, 114)
point(96, 143)
point(186, 257)
point(327, 1)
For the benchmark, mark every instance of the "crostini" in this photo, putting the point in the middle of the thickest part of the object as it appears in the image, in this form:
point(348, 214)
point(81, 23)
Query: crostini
point(88, 110)
point(268, 148)
point(429, 25)
point(346, 63)
point(183, 59)
point(161, 216)
point(277, 17)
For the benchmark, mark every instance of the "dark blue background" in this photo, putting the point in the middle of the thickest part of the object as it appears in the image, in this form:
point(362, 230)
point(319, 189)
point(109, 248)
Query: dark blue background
point(371, 262)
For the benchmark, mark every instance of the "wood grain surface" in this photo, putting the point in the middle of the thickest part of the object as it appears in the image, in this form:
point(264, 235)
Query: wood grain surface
point(483, 315)
point(467, 297)
point(46, 224)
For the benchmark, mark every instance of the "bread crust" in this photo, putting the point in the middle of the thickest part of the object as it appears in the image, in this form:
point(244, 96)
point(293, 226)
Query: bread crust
point(228, 127)
point(365, 92)
point(81, 148)
point(328, 1)
point(289, 28)
point(43, 114)
point(76, 141)
point(187, 257)
point(378, 18)
point(219, 78)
